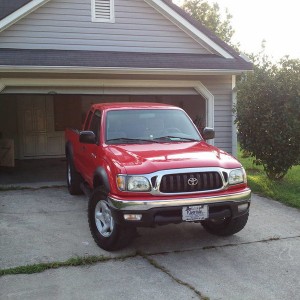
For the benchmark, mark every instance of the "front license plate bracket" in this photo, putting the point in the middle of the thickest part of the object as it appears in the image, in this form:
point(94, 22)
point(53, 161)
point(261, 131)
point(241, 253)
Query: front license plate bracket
point(195, 213)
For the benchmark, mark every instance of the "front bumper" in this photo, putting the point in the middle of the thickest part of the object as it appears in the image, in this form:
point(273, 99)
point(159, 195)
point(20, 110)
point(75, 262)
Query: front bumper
point(164, 211)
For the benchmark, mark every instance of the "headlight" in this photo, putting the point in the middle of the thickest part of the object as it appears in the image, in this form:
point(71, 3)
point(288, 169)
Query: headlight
point(133, 183)
point(138, 183)
point(237, 176)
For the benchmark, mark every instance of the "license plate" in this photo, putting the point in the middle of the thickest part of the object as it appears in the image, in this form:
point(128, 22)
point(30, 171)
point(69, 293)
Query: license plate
point(194, 213)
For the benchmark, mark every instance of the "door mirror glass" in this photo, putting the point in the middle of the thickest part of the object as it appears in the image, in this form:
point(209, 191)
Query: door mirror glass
point(87, 137)
point(208, 133)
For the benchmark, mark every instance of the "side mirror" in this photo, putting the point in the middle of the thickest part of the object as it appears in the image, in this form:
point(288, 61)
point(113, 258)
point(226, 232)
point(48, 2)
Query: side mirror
point(87, 137)
point(208, 133)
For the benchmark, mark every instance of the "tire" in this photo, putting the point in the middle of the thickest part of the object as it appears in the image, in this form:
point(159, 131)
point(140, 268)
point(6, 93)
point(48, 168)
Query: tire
point(226, 226)
point(73, 178)
point(107, 234)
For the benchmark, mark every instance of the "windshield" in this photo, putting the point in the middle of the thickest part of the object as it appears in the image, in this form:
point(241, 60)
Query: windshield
point(149, 126)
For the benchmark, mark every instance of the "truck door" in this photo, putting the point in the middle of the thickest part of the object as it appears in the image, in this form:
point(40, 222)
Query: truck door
point(82, 149)
point(91, 150)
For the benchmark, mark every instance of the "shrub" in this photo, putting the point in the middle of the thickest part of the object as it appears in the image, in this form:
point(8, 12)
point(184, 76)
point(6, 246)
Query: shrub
point(268, 115)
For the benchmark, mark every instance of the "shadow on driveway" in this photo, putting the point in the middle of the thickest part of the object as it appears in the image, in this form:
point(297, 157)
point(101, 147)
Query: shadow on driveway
point(34, 171)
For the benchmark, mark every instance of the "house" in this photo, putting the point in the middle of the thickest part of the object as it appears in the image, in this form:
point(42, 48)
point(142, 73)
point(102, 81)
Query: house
point(58, 57)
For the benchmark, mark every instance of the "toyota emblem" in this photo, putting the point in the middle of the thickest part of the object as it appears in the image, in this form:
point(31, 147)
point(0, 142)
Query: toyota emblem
point(193, 181)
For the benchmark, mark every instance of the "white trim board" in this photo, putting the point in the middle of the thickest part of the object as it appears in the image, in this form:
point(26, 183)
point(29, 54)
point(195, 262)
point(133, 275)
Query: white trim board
point(22, 82)
point(21, 13)
point(234, 126)
point(101, 91)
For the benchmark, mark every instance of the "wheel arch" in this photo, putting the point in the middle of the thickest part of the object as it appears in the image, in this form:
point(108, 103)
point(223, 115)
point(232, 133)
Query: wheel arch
point(69, 149)
point(101, 179)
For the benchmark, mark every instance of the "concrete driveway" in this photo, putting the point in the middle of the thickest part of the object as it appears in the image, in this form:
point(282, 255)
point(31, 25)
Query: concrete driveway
point(170, 262)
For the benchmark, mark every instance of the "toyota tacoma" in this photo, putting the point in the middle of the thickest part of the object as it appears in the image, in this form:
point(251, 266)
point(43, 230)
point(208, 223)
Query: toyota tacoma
point(146, 164)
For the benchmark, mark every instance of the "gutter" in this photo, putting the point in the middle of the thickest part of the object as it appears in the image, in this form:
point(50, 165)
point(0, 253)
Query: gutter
point(109, 70)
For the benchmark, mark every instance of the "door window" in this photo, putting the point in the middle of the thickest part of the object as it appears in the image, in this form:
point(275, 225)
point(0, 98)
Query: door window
point(95, 124)
point(87, 122)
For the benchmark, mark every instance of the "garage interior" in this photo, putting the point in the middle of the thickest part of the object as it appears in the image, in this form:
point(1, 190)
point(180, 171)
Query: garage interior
point(32, 128)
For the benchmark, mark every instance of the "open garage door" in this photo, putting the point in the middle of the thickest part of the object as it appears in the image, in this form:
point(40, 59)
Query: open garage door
point(36, 123)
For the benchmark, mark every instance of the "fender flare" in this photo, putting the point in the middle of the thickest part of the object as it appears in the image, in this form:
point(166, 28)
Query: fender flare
point(69, 149)
point(101, 174)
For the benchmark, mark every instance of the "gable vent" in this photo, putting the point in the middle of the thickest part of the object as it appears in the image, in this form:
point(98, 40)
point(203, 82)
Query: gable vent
point(103, 11)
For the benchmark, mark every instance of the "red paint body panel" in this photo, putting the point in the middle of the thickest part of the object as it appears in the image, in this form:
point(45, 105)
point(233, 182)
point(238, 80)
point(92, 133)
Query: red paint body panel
point(149, 158)
point(142, 158)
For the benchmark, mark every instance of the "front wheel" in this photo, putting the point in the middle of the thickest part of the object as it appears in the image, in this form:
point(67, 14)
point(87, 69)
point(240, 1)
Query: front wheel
point(227, 226)
point(106, 233)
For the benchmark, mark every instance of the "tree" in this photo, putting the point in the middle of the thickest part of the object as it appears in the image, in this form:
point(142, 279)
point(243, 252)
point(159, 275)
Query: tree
point(268, 114)
point(210, 16)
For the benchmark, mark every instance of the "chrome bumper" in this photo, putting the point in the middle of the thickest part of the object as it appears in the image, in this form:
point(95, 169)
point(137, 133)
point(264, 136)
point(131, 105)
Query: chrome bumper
point(129, 205)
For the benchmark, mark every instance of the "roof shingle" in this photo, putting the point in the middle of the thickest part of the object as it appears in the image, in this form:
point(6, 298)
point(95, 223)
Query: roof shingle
point(109, 59)
point(7, 7)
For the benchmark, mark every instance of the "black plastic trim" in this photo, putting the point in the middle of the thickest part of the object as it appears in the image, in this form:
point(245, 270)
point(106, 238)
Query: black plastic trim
point(168, 215)
point(101, 173)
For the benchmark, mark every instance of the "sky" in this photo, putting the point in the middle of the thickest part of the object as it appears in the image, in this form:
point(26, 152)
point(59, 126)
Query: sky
point(277, 22)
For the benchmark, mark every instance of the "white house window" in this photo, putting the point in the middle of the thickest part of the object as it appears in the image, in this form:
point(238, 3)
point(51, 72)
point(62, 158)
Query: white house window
point(103, 11)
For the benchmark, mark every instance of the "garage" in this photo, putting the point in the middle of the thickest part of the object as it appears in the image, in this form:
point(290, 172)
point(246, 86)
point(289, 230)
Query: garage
point(36, 123)
point(57, 58)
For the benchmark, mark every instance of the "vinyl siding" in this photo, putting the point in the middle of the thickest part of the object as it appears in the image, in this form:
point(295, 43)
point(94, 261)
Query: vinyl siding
point(67, 25)
point(221, 88)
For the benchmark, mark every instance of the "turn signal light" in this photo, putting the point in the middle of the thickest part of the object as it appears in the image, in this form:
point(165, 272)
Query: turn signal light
point(132, 217)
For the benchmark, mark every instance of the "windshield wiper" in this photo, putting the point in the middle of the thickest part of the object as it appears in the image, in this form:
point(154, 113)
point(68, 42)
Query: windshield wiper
point(122, 139)
point(176, 138)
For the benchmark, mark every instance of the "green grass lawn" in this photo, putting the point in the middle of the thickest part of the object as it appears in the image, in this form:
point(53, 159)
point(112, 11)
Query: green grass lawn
point(286, 191)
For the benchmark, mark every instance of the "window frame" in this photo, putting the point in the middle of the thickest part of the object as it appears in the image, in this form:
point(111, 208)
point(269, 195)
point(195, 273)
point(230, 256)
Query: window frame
point(88, 120)
point(96, 115)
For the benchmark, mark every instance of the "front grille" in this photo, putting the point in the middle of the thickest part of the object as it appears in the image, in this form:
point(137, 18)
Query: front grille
point(191, 182)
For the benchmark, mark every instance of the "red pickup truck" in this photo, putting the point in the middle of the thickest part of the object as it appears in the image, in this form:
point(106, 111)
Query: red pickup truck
point(146, 164)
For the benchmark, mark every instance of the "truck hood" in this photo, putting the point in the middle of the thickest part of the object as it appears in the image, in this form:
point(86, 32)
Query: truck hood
point(149, 158)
